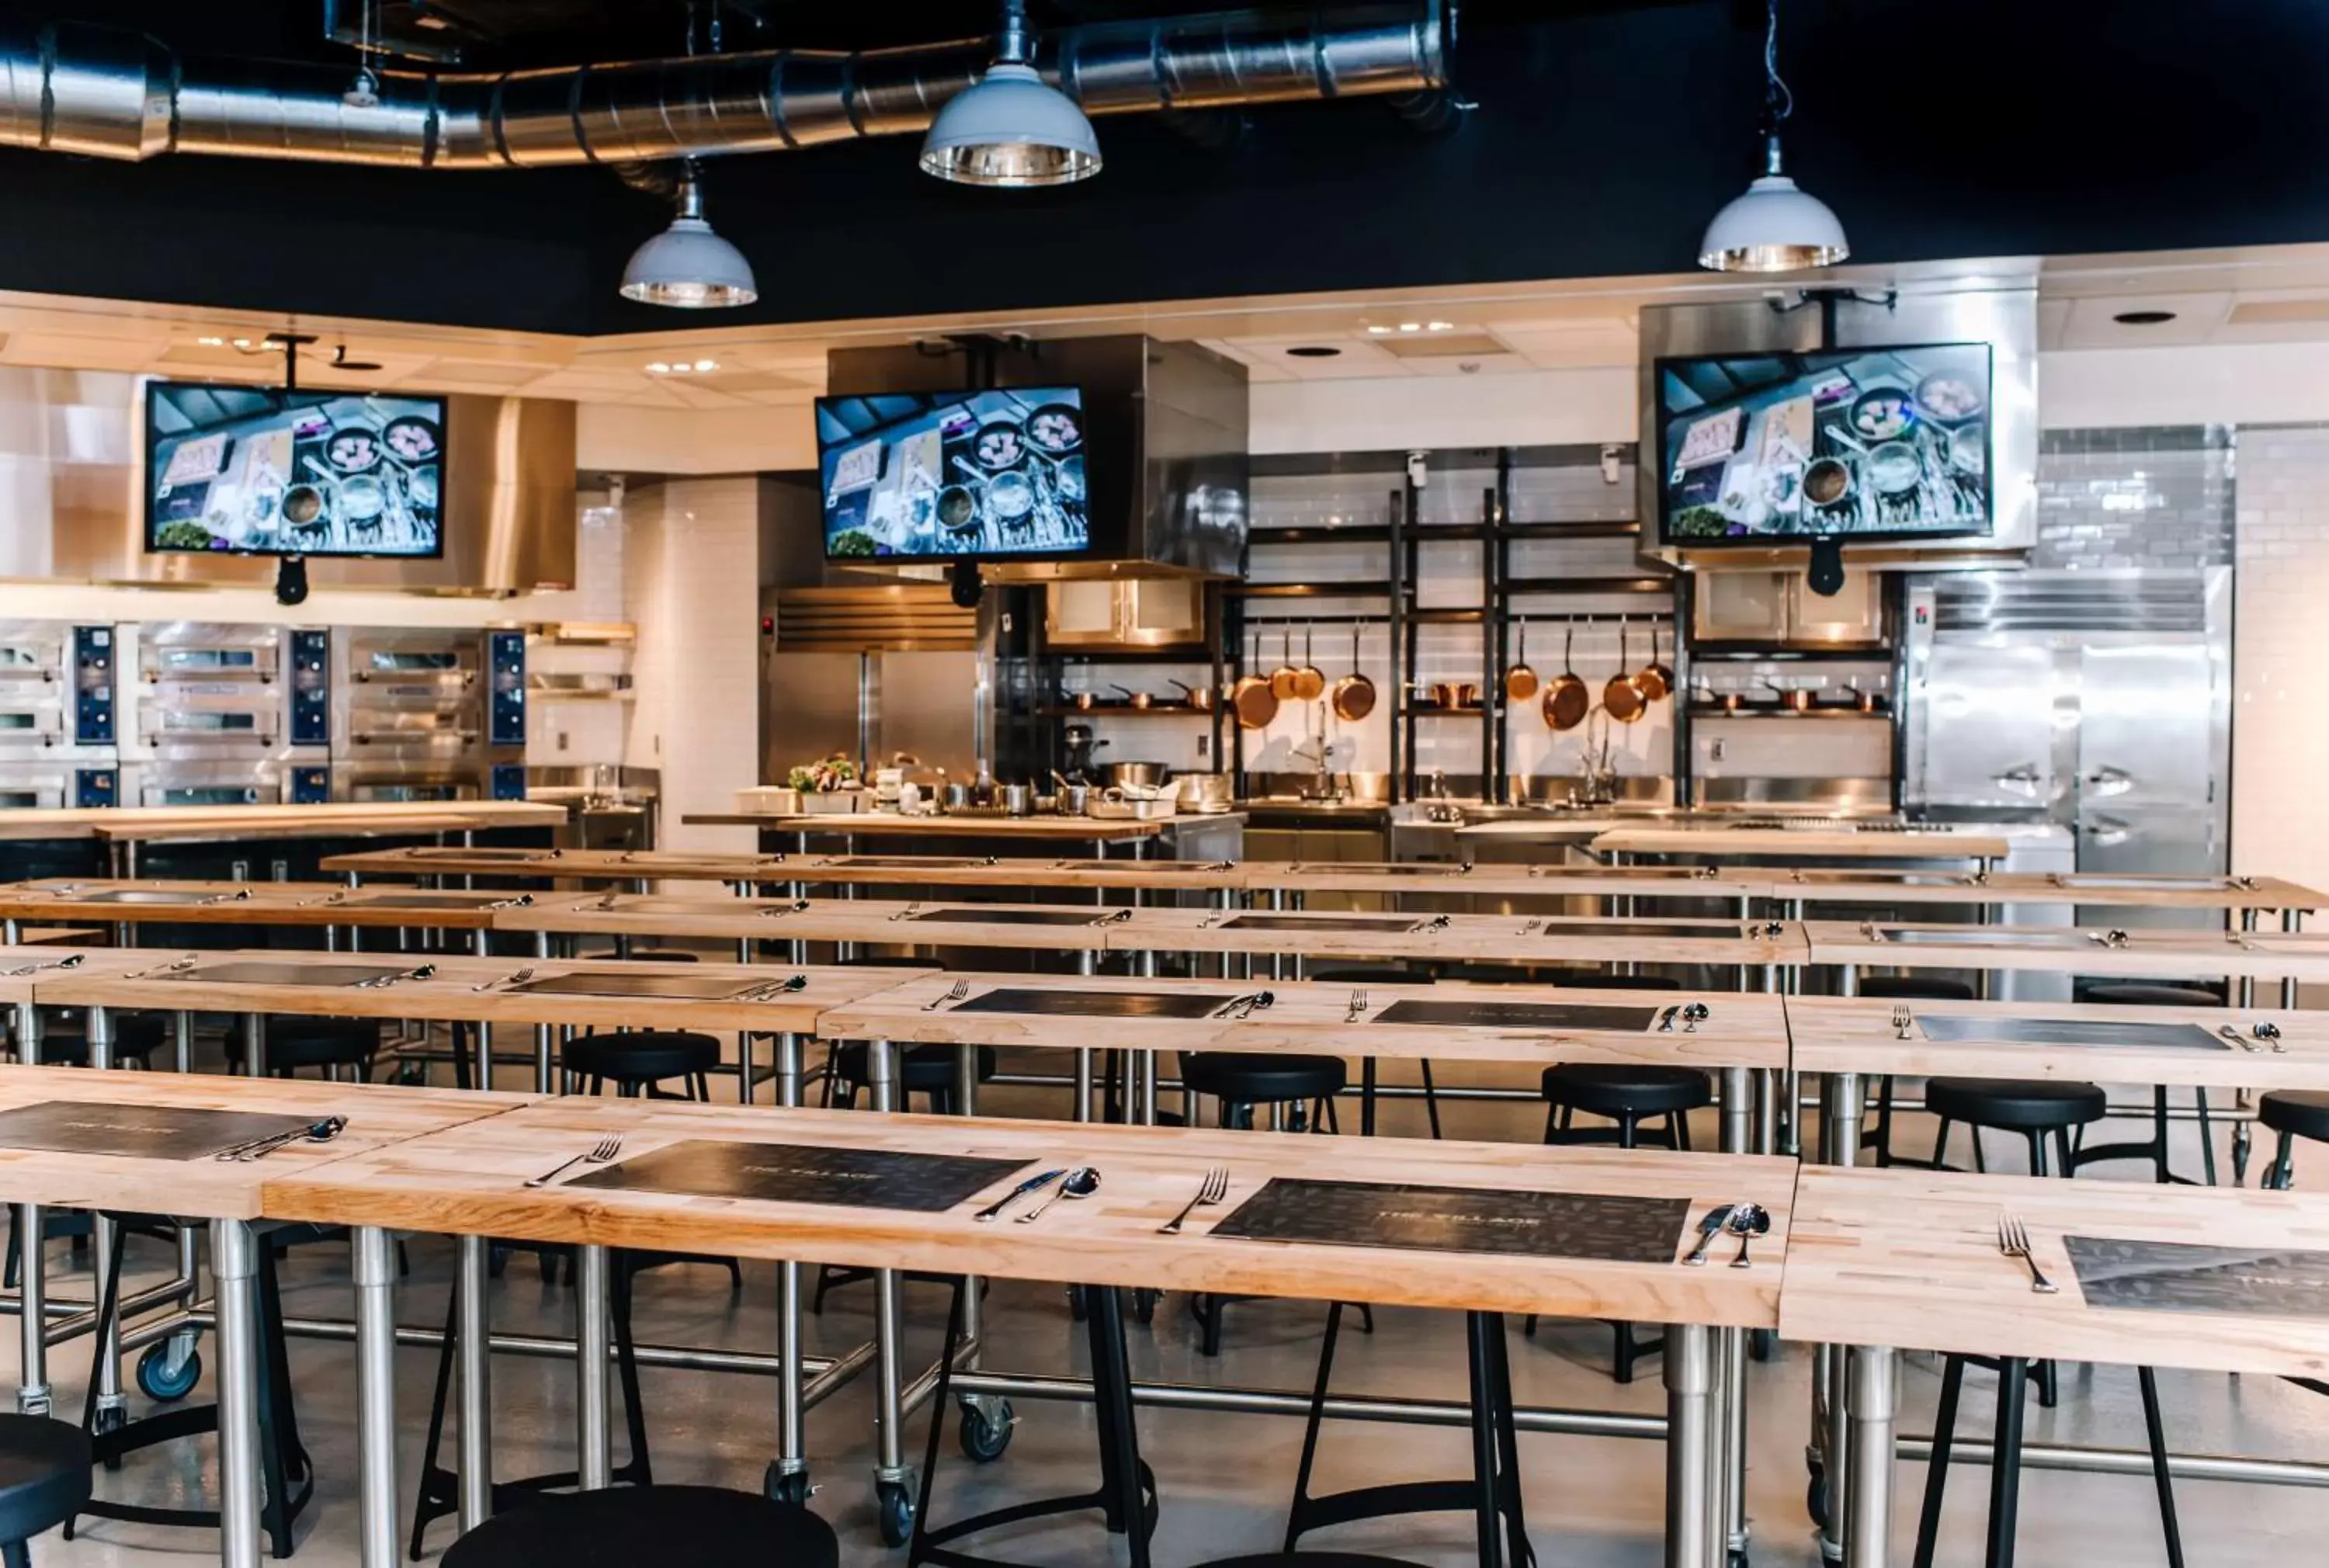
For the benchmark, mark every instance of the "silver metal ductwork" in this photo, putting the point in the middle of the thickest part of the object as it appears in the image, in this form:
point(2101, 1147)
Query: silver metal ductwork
point(69, 87)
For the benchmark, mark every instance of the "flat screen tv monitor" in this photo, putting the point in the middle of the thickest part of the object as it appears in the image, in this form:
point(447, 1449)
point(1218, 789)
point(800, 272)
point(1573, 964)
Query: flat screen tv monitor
point(1848, 444)
point(954, 475)
point(239, 470)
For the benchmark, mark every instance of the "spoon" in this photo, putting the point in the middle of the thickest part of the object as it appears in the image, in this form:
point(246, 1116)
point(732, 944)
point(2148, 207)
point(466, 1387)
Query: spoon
point(1081, 1182)
point(1692, 1017)
point(2268, 1032)
point(1747, 1221)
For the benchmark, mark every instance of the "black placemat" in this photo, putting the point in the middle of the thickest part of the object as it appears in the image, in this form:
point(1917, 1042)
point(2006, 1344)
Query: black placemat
point(180, 897)
point(1516, 1015)
point(671, 987)
point(1096, 1004)
point(1710, 929)
point(260, 971)
point(1322, 922)
point(1978, 937)
point(1951, 1028)
point(807, 1173)
point(1454, 1219)
point(996, 916)
point(136, 1132)
point(361, 900)
point(900, 862)
point(451, 853)
point(2181, 1277)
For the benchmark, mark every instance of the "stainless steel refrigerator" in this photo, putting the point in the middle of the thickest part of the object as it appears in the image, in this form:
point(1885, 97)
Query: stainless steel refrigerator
point(2098, 700)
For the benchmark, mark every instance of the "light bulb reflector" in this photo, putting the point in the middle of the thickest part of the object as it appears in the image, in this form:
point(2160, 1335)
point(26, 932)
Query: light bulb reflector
point(1773, 226)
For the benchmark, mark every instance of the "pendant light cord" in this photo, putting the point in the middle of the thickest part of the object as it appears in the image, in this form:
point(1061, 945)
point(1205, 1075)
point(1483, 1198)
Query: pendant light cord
point(1778, 101)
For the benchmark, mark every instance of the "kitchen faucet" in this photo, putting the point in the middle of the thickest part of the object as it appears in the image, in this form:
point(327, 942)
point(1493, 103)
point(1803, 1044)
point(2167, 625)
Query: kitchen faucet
point(1322, 778)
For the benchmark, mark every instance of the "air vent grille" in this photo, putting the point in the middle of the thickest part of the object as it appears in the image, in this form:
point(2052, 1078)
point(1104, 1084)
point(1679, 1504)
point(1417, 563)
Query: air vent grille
point(2156, 602)
point(901, 617)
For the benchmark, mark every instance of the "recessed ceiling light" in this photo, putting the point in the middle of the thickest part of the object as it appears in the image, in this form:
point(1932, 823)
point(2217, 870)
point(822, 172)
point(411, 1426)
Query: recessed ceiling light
point(1410, 326)
point(1443, 326)
point(1314, 352)
point(2144, 317)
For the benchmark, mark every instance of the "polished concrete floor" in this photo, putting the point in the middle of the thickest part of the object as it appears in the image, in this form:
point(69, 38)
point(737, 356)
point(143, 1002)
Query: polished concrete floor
point(1224, 1479)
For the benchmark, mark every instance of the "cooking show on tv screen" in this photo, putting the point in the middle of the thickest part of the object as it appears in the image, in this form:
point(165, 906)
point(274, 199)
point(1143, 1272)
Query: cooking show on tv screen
point(954, 473)
point(1850, 443)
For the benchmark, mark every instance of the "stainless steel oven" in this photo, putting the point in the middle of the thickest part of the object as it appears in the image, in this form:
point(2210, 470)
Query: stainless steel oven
point(225, 713)
point(58, 703)
point(428, 714)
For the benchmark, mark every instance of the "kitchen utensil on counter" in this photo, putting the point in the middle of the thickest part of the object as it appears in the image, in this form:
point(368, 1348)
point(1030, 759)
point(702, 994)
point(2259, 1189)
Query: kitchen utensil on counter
point(1203, 793)
point(1081, 701)
point(1081, 1182)
point(1035, 1183)
point(2014, 1241)
point(1281, 678)
point(1076, 748)
point(1354, 696)
point(1211, 1191)
point(1656, 677)
point(1309, 681)
point(1139, 700)
point(1521, 682)
point(1135, 774)
point(1568, 700)
point(600, 1153)
point(958, 797)
point(1717, 1221)
point(1793, 698)
point(1072, 800)
point(1747, 1221)
point(1018, 800)
point(1199, 697)
point(1254, 697)
point(1620, 696)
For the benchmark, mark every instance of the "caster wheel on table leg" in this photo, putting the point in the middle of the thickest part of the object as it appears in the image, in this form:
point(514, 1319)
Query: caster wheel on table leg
point(895, 1502)
point(985, 1429)
point(1816, 1496)
point(789, 1487)
point(158, 1379)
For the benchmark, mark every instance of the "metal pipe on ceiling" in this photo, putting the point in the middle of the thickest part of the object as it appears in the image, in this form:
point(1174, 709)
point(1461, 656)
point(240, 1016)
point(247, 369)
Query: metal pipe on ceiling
point(71, 87)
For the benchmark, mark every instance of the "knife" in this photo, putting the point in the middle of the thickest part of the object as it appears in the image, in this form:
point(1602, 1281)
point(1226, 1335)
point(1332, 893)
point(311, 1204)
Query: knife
point(1708, 1229)
point(1665, 1019)
point(1033, 1184)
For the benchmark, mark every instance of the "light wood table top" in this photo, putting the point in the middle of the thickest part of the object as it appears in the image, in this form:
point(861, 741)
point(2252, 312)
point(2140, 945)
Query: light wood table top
point(468, 1180)
point(1914, 844)
point(379, 1116)
point(1740, 1030)
point(318, 821)
point(882, 920)
point(451, 993)
point(580, 865)
point(1908, 1259)
point(1855, 1035)
point(150, 901)
point(888, 824)
point(27, 964)
point(1461, 938)
point(2139, 951)
point(1494, 879)
point(1866, 886)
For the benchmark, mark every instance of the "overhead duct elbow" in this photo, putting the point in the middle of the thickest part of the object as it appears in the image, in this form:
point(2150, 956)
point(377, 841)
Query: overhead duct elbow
point(75, 87)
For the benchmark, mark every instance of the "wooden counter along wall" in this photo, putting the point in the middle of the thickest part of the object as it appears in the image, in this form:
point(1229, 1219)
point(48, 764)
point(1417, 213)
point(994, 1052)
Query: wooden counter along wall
point(335, 820)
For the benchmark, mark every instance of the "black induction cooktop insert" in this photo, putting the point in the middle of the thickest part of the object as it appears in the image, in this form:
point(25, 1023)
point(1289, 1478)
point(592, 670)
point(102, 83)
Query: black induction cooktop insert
point(1953, 1028)
point(1454, 1220)
point(261, 971)
point(424, 900)
point(1647, 928)
point(1397, 923)
point(182, 895)
point(2185, 1277)
point(670, 987)
point(1008, 917)
point(806, 1173)
point(1096, 1004)
point(1516, 1015)
point(136, 1132)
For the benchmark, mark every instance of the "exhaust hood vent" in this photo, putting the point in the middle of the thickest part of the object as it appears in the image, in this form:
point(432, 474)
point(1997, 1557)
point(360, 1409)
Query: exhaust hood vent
point(2063, 601)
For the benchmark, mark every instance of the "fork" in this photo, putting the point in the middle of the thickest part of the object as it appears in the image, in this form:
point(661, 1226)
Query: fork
point(2014, 1241)
point(520, 978)
point(1902, 1019)
point(1358, 1005)
point(178, 967)
point(2233, 1035)
point(908, 911)
point(1216, 1186)
point(598, 1153)
point(71, 962)
point(772, 990)
point(954, 993)
point(381, 983)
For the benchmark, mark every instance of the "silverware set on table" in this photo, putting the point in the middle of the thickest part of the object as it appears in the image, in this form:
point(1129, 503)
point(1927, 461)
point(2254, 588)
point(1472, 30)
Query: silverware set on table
point(2014, 1241)
point(772, 990)
point(908, 911)
point(382, 982)
point(1744, 1220)
point(600, 1153)
point(322, 1132)
point(2262, 1036)
point(73, 961)
point(176, 966)
point(1358, 1005)
point(957, 991)
point(1246, 1005)
point(520, 978)
point(1209, 1192)
point(778, 911)
point(1903, 1021)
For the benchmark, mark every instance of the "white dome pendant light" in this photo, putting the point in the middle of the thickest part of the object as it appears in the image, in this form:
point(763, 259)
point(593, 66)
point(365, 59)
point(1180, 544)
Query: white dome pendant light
point(687, 266)
point(1775, 227)
point(1012, 127)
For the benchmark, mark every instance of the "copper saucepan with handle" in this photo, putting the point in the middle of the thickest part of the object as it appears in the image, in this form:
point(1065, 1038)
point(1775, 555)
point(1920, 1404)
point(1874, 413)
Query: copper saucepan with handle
point(1656, 677)
point(1282, 678)
point(1521, 682)
point(1252, 699)
point(1567, 698)
point(1309, 681)
point(1621, 696)
point(1354, 696)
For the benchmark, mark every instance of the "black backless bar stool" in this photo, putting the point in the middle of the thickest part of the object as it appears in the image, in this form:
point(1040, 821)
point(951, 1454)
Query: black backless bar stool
point(1904, 988)
point(1359, 977)
point(2146, 993)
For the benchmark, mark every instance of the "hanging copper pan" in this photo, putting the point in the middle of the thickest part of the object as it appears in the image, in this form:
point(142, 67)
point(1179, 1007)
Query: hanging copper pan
point(1656, 677)
point(1309, 681)
point(1253, 701)
point(1521, 682)
point(1567, 698)
point(1282, 678)
point(1353, 697)
point(1620, 696)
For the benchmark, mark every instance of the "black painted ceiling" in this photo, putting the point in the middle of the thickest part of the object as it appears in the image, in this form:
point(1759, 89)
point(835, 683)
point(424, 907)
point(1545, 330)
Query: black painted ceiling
point(1606, 134)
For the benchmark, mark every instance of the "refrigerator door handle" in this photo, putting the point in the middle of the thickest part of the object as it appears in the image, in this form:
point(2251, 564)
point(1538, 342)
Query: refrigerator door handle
point(2110, 781)
point(2106, 831)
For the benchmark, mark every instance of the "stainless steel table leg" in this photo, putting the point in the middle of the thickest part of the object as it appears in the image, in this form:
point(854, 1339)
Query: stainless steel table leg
point(2291, 921)
point(254, 1045)
point(1730, 1352)
point(112, 1406)
point(966, 1103)
point(1840, 1124)
point(792, 1429)
point(595, 1457)
point(2244, 989)
point(890, 1469)
point(1690, 1534)
point(32, 1270)
point(545, 1059)
point(375, 1281)
point(475, 1326)
point(1872, 1392)
point(234, 1271)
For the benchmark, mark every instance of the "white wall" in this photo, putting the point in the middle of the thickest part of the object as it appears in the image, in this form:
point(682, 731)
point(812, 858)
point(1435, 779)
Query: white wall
point(2280, 748)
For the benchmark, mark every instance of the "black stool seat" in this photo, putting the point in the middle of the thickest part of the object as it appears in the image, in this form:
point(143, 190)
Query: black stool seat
point(44, 1474)
point(2150, 993)
point(1595, 980)
point(1614, 1090)
point(2300, 1112)
point(1365, 974)
point(1307, 1559)
point(642, 1056)
point(670, 1527)
point(305, 1042)
point(646, 956)
point(1262, 1080)
point(924, 1070)
point(2015, 1104)
point(64, 1038)
point(1915, 988)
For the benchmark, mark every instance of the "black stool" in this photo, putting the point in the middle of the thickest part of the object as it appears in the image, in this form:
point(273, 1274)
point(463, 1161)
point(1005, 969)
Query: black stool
point(2147, 994)
point(1492, 1494)
point(670, 1527)
point(1903, 987)
point(64, 1037)
point(1627, 1096)
point(331, 1045)
point(643, 955)
point(44, 1475)
point(286, 1475)
point(638, 1060)
point(1359, 976)
point(1595, 980)
point(2006, 1471)
point(1307, 1559)
point(2293, 1113)
point(1241, 1082)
